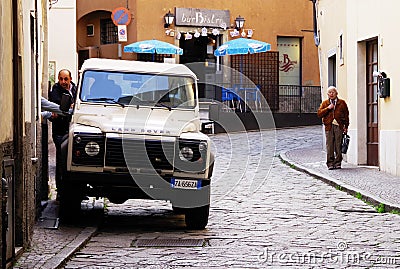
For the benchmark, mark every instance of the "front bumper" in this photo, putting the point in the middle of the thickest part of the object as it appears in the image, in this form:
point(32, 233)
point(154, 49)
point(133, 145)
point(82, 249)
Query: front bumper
point(141, 186)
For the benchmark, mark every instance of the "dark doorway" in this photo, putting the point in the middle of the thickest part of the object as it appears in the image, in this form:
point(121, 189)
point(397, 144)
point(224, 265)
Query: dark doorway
point(82, 56)
point(332, 70)
point(194, 49)
point(200, 50)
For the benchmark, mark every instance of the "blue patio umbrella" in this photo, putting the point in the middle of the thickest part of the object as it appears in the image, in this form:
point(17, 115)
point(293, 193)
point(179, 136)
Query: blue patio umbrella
point(242, 46)
point(153, 46)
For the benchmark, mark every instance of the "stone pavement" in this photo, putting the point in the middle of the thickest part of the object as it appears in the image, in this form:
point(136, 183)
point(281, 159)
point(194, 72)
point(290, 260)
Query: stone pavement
point(53, 243)
point(51, 248)
point(368, 183)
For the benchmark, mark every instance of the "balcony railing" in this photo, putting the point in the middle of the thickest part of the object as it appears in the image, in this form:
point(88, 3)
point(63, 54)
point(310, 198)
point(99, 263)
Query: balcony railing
point(299, 99)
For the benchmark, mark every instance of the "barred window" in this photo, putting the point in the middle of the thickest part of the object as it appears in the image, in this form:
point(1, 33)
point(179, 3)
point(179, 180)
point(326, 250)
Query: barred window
point(109, 32)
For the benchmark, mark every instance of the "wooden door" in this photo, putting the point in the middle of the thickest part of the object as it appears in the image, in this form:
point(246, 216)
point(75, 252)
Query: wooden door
point(372, 104)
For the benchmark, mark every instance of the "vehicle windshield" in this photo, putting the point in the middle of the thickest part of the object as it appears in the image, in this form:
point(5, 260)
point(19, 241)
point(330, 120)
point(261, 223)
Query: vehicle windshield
point(138, 89)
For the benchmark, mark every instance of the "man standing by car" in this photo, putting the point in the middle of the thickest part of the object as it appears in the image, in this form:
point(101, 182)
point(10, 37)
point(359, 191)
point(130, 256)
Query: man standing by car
point(335, 116)
point(60, 123)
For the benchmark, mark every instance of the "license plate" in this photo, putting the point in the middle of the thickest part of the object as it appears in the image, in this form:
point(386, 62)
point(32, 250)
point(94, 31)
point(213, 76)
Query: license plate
point(185, 184)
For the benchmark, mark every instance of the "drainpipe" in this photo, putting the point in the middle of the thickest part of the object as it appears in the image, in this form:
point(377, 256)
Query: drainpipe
point(16, 91)
point(316, 36)
point(317, 42)
point(34, 99)
point(18, 130)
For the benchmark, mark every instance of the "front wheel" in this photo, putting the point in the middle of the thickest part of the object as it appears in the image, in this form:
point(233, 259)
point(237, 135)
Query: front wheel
point(178, 210)
point(197, 218)
point(70, 201)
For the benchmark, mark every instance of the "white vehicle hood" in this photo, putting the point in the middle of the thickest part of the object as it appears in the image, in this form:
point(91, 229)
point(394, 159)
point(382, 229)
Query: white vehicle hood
point(157, 121)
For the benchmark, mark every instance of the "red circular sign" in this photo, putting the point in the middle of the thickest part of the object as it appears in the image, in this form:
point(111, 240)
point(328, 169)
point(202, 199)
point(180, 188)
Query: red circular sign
point(121, 16)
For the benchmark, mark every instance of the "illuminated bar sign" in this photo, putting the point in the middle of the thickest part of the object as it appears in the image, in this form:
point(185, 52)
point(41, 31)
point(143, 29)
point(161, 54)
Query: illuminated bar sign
point(202, 17)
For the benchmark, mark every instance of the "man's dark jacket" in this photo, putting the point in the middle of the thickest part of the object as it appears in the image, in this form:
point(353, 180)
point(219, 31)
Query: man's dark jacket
point(340, 113)
point(61, 123)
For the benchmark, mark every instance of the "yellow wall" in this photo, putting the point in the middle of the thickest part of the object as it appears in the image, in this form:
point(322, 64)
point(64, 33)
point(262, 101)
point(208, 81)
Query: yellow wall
point(332, 19)
point(269, 20)
point(359, 21)
point(384, 26)
point(6, 90)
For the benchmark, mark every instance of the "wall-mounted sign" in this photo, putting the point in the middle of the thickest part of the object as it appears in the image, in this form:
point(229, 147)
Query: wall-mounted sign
point(121, 16)
point(289, 60)
point(202, 17)
point(122, 34)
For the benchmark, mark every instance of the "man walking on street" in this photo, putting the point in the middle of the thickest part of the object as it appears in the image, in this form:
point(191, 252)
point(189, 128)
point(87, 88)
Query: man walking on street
point(335, 116)
point(60, 123)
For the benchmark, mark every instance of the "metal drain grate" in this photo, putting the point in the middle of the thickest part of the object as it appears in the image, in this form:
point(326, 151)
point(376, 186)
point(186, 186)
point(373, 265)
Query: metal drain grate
point(168, 242)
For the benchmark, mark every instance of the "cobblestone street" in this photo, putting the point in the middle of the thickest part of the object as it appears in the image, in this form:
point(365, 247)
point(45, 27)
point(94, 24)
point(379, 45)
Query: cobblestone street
point(263, 213)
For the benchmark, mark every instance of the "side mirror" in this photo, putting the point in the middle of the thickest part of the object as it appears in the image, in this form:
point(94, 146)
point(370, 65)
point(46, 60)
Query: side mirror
point(65, 103)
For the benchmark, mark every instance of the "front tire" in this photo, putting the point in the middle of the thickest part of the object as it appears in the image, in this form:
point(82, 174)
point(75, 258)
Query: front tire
point(197, 218)
point(70, 201)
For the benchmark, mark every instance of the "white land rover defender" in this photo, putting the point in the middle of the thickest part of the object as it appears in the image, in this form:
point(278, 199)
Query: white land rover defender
point(135, 133)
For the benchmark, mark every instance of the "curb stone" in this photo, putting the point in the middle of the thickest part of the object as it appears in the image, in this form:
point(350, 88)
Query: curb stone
point(68, 251)
point(365, 195)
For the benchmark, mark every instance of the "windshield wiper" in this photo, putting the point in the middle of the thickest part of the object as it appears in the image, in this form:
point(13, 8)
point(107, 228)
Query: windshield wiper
point(107, 100)
point(163, 105)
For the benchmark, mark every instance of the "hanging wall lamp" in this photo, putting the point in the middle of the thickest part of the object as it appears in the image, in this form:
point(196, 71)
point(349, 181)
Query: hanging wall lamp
point(239, 22)
point(169, 19)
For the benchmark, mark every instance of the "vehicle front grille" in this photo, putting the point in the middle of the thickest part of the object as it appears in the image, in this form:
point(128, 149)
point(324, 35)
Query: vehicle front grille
point(139, 154)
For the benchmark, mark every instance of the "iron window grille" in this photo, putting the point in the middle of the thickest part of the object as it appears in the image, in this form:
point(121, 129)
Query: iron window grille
point(108, 32)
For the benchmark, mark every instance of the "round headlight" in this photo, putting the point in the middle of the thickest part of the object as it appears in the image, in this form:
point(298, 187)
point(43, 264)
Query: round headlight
point(186, 154)
point(92, 148)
